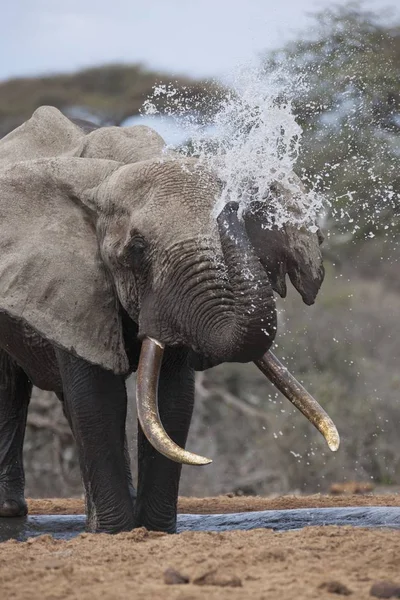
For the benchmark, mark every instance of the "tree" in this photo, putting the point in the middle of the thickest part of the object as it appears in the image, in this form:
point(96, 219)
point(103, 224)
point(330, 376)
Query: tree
point(349, 107)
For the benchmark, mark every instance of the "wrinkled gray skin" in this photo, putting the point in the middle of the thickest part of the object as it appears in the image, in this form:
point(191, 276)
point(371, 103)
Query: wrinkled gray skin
point(201, 286)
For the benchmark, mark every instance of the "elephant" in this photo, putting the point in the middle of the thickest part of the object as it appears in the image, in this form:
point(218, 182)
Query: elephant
point(111, 261)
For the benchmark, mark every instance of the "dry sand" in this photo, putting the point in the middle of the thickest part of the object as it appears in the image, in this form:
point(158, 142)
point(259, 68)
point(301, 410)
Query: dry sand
point(315, 562)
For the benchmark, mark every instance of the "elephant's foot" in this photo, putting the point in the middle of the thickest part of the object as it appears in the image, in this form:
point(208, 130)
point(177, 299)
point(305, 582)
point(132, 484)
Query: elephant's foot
point(110, 518)
point(94, 524)
point(12, 505)
point(162, 519)
point(12, 484)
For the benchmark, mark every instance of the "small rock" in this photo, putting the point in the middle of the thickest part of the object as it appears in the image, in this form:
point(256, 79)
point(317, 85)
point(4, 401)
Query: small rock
point(172, 577)
point(219, 579)
point(385, 589)
point(335, 587)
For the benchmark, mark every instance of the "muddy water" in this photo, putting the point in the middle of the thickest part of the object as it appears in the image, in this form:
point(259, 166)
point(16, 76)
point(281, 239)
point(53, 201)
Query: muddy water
point(66, 527)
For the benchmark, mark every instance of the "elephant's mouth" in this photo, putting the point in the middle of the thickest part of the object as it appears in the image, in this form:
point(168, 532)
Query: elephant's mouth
point(147, 402)
point(199, 362)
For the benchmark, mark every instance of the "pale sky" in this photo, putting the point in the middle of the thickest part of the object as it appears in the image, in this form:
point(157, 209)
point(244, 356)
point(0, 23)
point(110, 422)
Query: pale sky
point(194, 37)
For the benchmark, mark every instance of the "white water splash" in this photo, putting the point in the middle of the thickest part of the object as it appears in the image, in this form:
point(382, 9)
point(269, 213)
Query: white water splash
point(252, 141)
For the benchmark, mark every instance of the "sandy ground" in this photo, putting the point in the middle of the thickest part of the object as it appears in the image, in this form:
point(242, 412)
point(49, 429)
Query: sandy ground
point(315, 562)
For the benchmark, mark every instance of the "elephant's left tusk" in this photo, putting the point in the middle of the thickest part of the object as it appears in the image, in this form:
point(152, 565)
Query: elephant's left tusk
point(294, 391)
point(148, 373)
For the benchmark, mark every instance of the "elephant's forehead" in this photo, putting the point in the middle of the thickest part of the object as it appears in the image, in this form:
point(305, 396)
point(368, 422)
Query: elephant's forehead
point(181, 191)
point(165, 196)
point(186, 178)
point(177, 214)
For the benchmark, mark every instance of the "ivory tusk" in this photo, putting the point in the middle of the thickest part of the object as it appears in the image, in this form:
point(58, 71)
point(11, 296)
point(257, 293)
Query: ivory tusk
point(148, 374)
point(278, 374)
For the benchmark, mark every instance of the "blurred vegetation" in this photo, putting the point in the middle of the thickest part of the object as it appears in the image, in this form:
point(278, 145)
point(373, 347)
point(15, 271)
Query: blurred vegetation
point(107, 95)
point(349, 108)
point(346, 348)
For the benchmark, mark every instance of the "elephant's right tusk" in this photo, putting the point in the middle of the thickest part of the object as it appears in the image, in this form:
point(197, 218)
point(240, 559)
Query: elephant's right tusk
point(294, 391)
point(148, 374)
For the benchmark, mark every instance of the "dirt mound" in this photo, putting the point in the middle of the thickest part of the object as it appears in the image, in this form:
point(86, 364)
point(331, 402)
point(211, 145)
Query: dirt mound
point(312, 563)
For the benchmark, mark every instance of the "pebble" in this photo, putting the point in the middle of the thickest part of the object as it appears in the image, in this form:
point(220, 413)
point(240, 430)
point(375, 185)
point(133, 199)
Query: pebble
point(385, 589)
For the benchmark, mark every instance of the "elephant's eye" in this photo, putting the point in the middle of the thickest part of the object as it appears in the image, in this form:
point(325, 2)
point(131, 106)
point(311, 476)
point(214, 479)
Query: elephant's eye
point(135, 252)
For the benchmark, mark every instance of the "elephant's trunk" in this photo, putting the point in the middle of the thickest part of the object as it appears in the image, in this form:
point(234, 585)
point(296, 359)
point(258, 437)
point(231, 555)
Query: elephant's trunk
point(229, 316)
point(219, 301)
point(249, 328)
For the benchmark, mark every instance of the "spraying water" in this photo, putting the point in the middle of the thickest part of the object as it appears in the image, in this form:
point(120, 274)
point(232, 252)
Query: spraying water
point(252, 141)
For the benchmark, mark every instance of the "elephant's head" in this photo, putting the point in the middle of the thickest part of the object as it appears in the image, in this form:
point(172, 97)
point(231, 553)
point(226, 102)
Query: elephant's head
point(185, 277)
point(289, 249)
point(87, 235)
point(189, 279)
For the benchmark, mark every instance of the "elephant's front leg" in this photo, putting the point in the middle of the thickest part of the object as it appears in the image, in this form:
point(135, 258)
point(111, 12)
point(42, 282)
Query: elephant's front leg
point(95, 405)
point(158, 477)
point(15, 393)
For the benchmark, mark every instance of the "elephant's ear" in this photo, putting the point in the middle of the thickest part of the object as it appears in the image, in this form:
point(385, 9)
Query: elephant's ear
point(51, 273)
point(287, 250)
point(48, 133)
